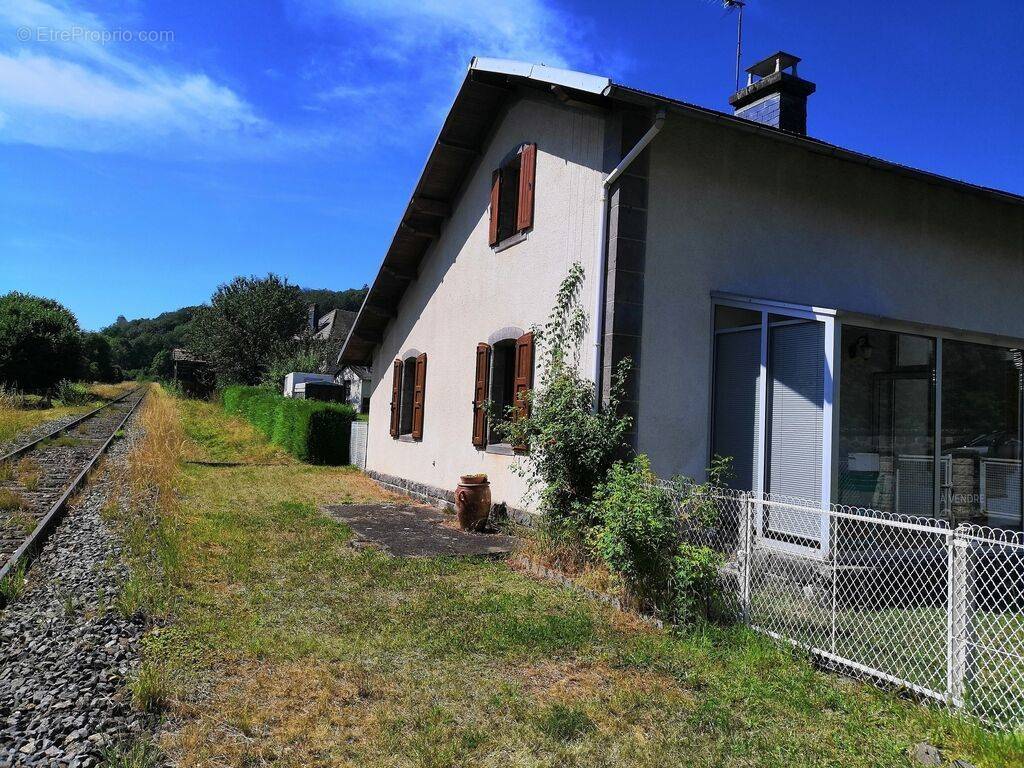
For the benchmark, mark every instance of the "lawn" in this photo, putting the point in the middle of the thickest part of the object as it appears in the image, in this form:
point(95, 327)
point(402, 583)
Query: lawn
point(285, 646)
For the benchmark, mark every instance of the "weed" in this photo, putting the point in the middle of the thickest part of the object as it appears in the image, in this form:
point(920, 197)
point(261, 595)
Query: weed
point(11, 501)
point(134, 754)
point(151, 686)
point(119, 434)
point(13, 585)
point(22, 522)
point(564, 723)
point(64, 441)
point(6, 471)
point(29, 473)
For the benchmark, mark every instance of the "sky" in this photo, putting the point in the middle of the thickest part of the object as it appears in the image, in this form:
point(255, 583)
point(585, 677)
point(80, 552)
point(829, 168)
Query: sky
point(152, 150)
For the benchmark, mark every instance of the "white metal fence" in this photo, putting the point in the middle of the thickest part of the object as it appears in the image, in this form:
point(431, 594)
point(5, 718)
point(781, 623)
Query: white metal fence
point(357, 444)
point(900, 600)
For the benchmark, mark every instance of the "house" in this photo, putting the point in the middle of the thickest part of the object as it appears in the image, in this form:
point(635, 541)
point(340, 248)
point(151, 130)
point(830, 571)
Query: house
point(331, 328)
point(847, 329)
point(191, 373)
point(357, 381)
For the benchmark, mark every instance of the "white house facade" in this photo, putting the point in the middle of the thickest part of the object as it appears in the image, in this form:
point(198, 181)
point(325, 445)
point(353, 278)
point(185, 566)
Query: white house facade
point(847, 329)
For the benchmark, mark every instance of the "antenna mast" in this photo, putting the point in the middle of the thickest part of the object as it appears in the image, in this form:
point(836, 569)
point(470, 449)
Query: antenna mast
point(737, 5)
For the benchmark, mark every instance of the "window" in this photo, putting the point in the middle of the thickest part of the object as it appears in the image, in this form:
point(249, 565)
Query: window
point(408, 390)
point(503, 370)
point(504, 373)
point(887, 421)
point(512, 195)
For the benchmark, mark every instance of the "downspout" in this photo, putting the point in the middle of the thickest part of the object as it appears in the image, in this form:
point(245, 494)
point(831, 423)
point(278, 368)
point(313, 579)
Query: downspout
point(602, 254)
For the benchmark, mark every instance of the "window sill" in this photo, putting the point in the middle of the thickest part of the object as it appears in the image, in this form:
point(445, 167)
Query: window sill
point(509, 241)
point(407, 439)
point(500, 449)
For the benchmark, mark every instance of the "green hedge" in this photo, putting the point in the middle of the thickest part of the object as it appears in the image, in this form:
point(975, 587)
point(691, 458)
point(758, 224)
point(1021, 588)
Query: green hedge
point(311, 430)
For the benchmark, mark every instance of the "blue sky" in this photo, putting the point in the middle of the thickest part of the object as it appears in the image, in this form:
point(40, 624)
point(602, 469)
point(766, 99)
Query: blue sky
point(286, 135)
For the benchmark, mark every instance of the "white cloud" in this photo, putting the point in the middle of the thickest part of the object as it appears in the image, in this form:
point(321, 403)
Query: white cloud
point(82, 93)
point(407, 57)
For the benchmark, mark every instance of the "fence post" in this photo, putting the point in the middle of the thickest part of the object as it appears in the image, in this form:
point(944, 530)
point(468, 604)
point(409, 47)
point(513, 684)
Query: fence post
point(956, 617)
point(833, 530)
point(746, 554)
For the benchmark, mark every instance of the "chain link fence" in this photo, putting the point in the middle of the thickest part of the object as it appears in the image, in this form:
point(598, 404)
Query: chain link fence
point(899, 600)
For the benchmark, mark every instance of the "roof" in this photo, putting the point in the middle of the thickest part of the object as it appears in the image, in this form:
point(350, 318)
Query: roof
point(462, 139)
point(361, 371)
point(334, 324)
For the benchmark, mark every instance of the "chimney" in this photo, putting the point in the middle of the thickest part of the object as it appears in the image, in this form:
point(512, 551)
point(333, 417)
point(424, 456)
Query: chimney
point(777, 97)
point(313, 316)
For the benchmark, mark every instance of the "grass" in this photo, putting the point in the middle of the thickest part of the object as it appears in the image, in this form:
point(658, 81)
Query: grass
point(10, 501)
point(135, 754)
point(62, 441)
point(13, 585)
point(29, 473)
point(279, 643)
point(20, 414)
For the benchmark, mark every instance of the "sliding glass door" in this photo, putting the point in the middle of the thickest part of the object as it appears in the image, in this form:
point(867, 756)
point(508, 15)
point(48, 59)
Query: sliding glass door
point(772, 404)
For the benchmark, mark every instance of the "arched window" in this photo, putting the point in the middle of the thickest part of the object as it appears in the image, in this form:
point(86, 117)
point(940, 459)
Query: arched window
point(408, 392)
point(504, 373)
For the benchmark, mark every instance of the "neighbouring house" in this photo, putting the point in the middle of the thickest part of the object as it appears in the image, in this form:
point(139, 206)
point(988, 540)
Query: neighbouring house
point(191, 373)
point(331, 327)
point(357, 381)
point(847, 329)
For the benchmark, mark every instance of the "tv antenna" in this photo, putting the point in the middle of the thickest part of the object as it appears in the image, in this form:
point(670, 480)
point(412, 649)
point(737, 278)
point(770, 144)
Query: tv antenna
point(737, 5)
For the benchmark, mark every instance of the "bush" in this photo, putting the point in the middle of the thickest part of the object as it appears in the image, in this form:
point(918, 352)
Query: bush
point(572, 445)
point(40, 343)
point(310, 430)
point(69, 393)
point(636, 525)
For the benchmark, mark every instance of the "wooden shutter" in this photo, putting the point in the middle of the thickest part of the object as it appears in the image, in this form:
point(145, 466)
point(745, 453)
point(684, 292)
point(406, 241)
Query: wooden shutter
point(396, 394)
point(495, 205)
point(527, 177)
point(480, 390)
point(420, 383)
point(523, 380)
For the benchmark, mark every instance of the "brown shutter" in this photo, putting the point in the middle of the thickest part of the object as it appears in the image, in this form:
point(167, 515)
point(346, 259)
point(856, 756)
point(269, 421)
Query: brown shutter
point(527, 177)
point(417, 397)
point(495, 203)
point(523, 381)
point(396, 393)
point(483, 374)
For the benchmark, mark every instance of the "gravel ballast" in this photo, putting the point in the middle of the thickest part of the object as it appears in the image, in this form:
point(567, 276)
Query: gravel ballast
point(66, 652)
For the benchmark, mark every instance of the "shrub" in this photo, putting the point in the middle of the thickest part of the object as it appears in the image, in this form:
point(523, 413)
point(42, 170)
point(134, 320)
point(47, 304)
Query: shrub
point(40, 342)
point(636, 526)
point(310, 430)
point(69, 393)
point(693, 582)
point(572, 444)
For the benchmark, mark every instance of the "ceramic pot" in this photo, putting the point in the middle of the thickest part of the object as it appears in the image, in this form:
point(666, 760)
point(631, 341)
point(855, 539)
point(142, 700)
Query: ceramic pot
point(473, 502)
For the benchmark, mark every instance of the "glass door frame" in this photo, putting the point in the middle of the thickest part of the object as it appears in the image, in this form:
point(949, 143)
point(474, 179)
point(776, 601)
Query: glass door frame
point(830, 380)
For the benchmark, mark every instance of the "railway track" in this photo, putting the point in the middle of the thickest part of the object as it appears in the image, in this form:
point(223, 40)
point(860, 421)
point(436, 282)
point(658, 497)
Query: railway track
point(37, 479)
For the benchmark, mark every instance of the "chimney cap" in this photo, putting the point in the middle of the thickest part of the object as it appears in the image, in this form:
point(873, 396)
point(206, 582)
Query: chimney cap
point(775, 63)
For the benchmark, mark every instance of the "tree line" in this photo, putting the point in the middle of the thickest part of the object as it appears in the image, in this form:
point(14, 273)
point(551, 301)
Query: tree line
point(251, 328)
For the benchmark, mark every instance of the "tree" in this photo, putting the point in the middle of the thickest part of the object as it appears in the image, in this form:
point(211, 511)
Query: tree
point(97, 358)
point(162, 366)
point(249, 323)
point(40, 342)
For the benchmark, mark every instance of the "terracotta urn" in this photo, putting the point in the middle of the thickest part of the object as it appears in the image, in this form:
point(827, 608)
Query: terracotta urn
point(473, 502)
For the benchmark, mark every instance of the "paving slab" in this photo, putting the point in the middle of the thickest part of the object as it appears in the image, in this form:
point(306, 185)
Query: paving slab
point(412, 530)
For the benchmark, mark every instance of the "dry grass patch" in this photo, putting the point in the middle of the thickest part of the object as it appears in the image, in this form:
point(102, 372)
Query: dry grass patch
point(112, 391)
point(10, 501)
point(29, 473)
point(284, 646)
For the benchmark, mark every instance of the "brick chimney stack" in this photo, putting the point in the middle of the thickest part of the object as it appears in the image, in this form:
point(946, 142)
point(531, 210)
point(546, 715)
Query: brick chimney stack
point(777, 97)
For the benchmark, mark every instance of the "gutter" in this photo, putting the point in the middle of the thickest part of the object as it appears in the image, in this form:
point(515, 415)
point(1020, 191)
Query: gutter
point(602, 254)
